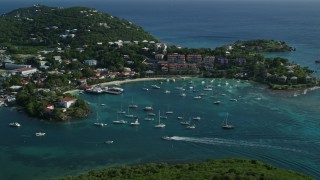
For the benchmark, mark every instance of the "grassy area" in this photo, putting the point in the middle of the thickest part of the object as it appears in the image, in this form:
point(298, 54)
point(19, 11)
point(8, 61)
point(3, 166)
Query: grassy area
point(211, 169)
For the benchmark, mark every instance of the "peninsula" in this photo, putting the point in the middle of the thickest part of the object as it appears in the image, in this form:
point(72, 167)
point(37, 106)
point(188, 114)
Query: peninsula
point(46, 51)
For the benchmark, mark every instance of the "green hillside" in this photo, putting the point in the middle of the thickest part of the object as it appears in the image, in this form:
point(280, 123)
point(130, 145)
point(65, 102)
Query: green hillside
point(48, 26)
point(211, 169)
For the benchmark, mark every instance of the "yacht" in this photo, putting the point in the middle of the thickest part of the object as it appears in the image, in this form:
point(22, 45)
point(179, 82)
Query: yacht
point(108, 142)
point(191, 126)
point(148, 118)
point(216, 102)
point(166, 138)
point(148, 108)
point(197, 118)
point(119, 122)
point(14, 124)
point(155, 86)
point(40, 134)
point(185, 123)
point(135, 123)
point(100, 124)
point(151, 114)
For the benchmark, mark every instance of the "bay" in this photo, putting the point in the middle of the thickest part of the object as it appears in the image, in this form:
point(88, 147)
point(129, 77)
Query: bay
point(280, 128)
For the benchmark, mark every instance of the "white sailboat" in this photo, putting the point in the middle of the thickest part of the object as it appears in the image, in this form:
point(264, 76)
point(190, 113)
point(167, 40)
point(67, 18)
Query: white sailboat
point(226, 125)
point(169, 111)
point(119, 121)
point(128, 115)
point(135, 123)
point(132, 105)
point(160, 125)
point(100, 124)
point(121, 111)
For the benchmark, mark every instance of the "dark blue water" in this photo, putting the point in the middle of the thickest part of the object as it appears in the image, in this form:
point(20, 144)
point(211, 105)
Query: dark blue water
point(280, 128)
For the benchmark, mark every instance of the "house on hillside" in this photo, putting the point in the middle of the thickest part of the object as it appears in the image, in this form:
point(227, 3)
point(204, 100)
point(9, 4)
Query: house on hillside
point(67, 102)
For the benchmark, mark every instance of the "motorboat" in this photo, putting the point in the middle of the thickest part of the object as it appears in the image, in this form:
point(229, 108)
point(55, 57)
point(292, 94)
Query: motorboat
point(40, 134)
point(14, 124)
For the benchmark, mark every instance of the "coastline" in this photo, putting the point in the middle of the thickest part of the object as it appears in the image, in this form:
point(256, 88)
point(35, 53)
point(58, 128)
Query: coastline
point(127, 81)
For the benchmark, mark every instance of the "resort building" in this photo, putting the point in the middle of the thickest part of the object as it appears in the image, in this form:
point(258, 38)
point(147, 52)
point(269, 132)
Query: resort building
point(176, 58)
point(194, 58)
point(159, 57)
point(222, 60)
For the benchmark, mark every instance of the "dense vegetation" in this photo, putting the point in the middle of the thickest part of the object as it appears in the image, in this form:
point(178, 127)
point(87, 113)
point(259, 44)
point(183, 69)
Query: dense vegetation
point(211, 169)
point(42, 26)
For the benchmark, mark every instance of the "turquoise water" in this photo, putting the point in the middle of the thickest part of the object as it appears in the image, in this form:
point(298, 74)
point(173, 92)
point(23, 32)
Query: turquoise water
point(280, 128)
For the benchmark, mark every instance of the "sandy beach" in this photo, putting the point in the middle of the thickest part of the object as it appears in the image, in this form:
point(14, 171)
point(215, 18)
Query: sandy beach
point(125, 81)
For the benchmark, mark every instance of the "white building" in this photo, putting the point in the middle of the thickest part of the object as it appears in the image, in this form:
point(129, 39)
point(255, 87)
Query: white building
point(91, 62)
point(67, 102)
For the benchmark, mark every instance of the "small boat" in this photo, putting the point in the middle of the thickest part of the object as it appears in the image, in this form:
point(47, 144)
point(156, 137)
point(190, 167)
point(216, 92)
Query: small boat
point(135, 123)
point(163, 117)
point(216, 102)
point(226, 125)
point(145, 89)
point(148, 108)
point(128, 115)
point(148, 118)
point(197, 97)
point(100, 124)
point(102, 104)
point(182, 94)
point(155, 86)
point(180, 117)
point(160, 125)
point(169, 112)
point(317, 61)
point(197, 118)
point(191, 126)
point(108, 142)
point(14, 124)
point(132, 105)
point(119, 122)
point(40, 134)
point(167, 92)
point(185, 123)
point(233, 100)
point(166, 138)
point(151, 114)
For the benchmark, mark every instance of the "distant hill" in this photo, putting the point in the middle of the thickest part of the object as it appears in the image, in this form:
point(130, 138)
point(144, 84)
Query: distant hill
point(76, 26)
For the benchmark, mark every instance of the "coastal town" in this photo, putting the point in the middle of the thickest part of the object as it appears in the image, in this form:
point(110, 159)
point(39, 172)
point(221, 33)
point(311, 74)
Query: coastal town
point(35, 77)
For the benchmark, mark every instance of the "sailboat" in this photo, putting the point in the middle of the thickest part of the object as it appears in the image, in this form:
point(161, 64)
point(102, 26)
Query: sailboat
point(169, 111)
point(132, 105)
point(226, 125)
point(159, 125)
point(121, 111)
point(135, 123)
point(128, 115)
point(119, 121)
point(101, 124)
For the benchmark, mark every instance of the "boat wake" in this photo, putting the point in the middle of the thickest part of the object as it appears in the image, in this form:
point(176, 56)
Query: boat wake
point(230, 142)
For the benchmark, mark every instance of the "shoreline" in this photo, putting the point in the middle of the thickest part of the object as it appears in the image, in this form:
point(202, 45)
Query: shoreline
point(127, 81)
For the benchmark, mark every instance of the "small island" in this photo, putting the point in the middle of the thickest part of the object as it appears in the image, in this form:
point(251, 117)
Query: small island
point(46, 51)
point(210, 169)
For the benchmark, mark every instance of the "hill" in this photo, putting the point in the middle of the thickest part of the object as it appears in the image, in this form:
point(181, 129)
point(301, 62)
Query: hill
point(75, 27)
